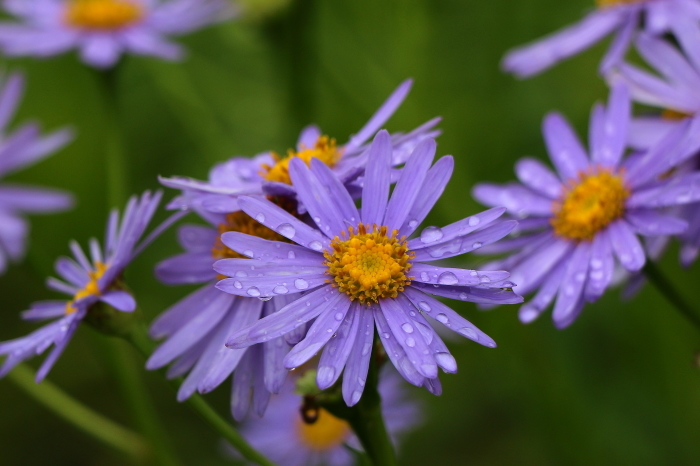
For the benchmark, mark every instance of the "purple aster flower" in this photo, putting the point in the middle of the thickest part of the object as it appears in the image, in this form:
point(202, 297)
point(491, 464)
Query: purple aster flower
point(87, 281)
point(577, 223)
point(268, 173)
point(103, 29)
point(19, 149)
point(199, 325)
point(623, 18)
point(356, 270)
point(289, 440)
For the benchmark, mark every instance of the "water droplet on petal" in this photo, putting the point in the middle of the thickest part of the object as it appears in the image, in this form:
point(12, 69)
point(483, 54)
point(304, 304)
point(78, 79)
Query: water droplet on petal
point(291, 255)
point(446, 361)
point(361, 381)
point(413, 223)
point(431, 234)
point(385, 335)
point(442, 318)
point(477, 245)
point(356, 395)
point(316, 245)
point(253, 291)
point(424, 276)
point(408, 328)
point(238, 284)
point(339, 316)
point(424, 306)
point(366, 349)
point(474, 221)
point(248, 253)
point(596, 263)
point(301, 284)
point(410, 342)
point(286, 230)
point(265, 298)
point(241, 273)
point(469, 333)
point(448, 278)
point(484, 279)
point(280, 289)
point(260, 218)
point(463, 296)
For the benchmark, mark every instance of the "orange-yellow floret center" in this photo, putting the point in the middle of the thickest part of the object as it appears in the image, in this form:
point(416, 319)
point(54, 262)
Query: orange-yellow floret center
point(369, 266)
point(324, 149)
point(609, 3)
point(90, 289)
point(101, 15)
point(325, 433)
point(590, 205)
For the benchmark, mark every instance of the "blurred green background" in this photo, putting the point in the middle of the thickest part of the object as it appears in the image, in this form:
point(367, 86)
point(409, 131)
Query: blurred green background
point(618, 387)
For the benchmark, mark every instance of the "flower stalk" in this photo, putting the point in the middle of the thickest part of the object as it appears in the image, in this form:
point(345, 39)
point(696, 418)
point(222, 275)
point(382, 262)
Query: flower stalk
point(665, 287)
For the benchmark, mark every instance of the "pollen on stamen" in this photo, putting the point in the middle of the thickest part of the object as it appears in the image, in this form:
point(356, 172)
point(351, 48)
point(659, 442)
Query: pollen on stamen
point(325, 150)
point(90, 289)
point(590, 205)
point(326, 432)
point(611, 3)
point(369, 266)
point(103, 15)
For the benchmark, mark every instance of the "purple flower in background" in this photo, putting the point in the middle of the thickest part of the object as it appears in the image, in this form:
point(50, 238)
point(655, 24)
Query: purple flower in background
point(199, 325)
point(623, 18)
point(575, 224)
point(87, 281)
point(289, 440)
point(104, 29)
point(19, 149)
point(677, 91)
point(267, 173)
point(356, 270)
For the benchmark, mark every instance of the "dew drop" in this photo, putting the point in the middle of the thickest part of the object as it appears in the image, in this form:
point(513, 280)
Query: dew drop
point(385, 335)
point(265, 298)
point(424, 306)
point(446, 361)
point(253, 291)
point(469, 333)
point(248, 253)
point(484, 279)
point(361, 381)
point(596, 263)
point(410, 342)
point(474, 221)
point(448, 278)
point(316, 245)
point(442, 318)
point(366, 349)
point(238, 284)
point(286, 230)
point(424, 276)
point(413, 223)
point(317, 220)
point(260, 218)
point(325, 374)
point(291, 255)
point(280, 289)
point(477, 245)
point(463, 296)
point(408, 328)
point(301, 284)
point(430, 234)
point(339, 316)
point(356, 395)
point(240, 273)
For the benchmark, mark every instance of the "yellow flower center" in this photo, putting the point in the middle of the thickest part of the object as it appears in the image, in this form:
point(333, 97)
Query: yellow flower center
point(674, 115)
point(103, 15)
point(590, 205)
point(325, 433)
point(90, 289)
point(611, 3)
point(324, 149)
point(369, 266)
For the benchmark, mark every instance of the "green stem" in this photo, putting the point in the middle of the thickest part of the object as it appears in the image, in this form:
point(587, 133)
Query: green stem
point(79, 415)
point(138, 336)
point(665, 287)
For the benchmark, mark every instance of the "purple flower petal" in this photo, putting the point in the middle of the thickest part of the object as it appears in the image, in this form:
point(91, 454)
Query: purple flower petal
point(45, 310)
point(464, 244)
point(186, 268)
point(519, 200)
point(601, 267)
point(337, 195)
point(437, 178)
point(627, 247)
point(355, 375)
point(530, 273)
point(538, 177)
point(120, 300)
point(545, 295)
point(565, 149)
point(375, 191)
point(572, 285)
point(652, 223)
point(336, 352)
point(681, 189)
point(433, 236)
point(395, 351)
point(425, 273)
point(266, 251)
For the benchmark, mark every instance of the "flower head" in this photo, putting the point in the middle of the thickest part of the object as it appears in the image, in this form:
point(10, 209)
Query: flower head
point(356, 270)
point(104, 29)
point(290, 440)
point(87, 282)
point(576, 224)
point(623, 18)
point(19, 149)
point(268, 173)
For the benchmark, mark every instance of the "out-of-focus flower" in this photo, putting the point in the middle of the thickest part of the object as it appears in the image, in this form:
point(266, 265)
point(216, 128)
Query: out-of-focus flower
point(575, 225)
point(268, 173)
point(19, 149)
point(199, 325)
point(289, 440)
point(104, 29)
point(87, 281)
point(357, 270)
point(624, 18)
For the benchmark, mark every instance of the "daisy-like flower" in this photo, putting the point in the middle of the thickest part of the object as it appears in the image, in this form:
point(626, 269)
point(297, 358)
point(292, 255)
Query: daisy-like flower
point(623, 18)
point(19, 149)
point(290, 440)
point(577, 223)
point(87, 281)
point(676, 91)
point(104, 29)
point(268, 173)
point(357, 270)
point(199, 325)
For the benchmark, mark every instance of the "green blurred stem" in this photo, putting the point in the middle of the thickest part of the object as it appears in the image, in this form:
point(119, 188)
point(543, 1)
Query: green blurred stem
point(665, 287)
point(367, 421)
point(79, 415)
point(138, 336)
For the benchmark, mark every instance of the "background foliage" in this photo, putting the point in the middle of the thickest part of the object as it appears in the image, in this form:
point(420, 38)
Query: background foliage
point(619, 386)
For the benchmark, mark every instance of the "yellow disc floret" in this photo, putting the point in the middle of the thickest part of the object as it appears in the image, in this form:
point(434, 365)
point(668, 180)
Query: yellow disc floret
point(609, 3)
point(242, 223)
point(369, 266)
point(103, 15)
point(90, 289)
point(590, 205)
point(325, 433)
point(324, 149)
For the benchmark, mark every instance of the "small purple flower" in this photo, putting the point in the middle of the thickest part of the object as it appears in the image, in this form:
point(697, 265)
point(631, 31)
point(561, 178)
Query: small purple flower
point(104, 29)
point(268, 173)
point(575, 225)
point(624, 18)
point(289, 440)
point(19, 149)
point(199, 325)
point(356, 270)
point(87, 281)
